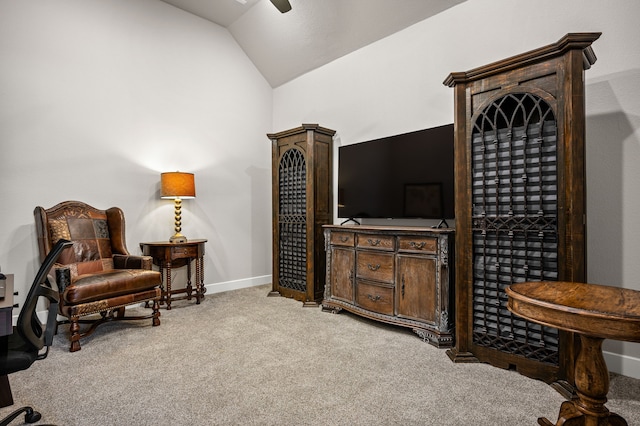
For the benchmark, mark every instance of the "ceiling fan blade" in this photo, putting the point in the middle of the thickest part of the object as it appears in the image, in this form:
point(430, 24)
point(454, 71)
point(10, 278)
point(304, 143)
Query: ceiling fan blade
point(282, 5)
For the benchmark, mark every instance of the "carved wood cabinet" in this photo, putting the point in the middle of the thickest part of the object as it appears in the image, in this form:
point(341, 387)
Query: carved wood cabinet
point(520, 201)
point(302, 194)
point(397, 275)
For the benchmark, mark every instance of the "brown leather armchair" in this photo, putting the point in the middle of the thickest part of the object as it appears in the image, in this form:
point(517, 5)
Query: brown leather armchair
point(99, 277)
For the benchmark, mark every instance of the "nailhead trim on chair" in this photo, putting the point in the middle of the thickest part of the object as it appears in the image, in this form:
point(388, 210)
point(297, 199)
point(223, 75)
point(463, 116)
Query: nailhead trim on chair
point(101, 306)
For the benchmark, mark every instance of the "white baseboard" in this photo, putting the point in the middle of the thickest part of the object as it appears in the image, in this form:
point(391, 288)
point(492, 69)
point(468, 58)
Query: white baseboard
point(238, 284)
point(622, 364)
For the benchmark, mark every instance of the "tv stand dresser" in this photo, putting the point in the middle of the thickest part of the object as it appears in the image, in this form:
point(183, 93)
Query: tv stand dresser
point(396, 275)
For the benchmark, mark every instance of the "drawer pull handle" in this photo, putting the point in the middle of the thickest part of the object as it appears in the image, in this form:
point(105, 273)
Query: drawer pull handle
point(373, 298)
point(344, 239)
point(373, 242)
point(417, 246)
point(373, 267)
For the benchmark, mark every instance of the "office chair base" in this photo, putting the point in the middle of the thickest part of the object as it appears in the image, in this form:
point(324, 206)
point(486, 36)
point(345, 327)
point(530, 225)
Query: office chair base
point(30, 416)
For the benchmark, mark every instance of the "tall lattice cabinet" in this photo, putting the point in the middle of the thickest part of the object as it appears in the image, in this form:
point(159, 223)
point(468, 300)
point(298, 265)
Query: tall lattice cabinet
point(520, 201)
point(302, 202)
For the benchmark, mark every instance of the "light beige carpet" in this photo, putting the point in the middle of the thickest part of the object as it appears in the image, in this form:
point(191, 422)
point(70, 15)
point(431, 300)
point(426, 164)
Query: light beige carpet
point(241, 358)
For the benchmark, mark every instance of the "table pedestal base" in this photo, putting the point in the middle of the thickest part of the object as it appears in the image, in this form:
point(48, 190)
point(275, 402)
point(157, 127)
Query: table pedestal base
point(593, 312)
point(571, 416)
point(592, 386)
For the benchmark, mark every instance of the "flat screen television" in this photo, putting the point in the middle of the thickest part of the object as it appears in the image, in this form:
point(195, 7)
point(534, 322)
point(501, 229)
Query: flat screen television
point(403, 176)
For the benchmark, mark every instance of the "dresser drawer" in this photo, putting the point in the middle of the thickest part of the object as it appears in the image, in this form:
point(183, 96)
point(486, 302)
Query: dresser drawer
point(417, 244)
point(375, 298)
point(375, 266)
point(184, 252)
point(342, 238)
point(377, 242)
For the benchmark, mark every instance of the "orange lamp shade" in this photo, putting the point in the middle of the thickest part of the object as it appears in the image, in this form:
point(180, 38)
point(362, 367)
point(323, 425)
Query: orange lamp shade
point(177, 185)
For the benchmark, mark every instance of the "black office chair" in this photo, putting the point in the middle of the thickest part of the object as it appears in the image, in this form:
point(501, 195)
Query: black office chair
point(29, 336)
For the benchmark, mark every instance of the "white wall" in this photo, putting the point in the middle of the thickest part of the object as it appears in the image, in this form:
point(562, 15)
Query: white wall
point(98, 97)
point(395, 86)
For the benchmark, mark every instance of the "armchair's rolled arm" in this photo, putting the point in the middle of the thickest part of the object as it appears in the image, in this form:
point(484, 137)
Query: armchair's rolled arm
point(62, 277)
point(121, 261)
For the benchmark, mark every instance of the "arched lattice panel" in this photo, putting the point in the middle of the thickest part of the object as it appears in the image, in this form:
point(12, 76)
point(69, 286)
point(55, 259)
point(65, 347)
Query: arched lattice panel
point(520, 201)
point(302, 198)
point(292, 224)
point(514, 219)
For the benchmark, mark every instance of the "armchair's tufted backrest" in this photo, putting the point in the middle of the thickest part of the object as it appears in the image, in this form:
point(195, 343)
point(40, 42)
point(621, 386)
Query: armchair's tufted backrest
point(88, 228)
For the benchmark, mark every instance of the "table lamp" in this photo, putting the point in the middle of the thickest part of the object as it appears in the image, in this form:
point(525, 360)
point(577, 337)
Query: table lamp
point(176, 186)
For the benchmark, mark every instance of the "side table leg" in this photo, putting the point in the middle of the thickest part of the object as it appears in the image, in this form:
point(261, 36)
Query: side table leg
point(161, 300)
point(189, 288)
point(168, 297)
point(592, 386)
point(200, 290)
point(163, 288)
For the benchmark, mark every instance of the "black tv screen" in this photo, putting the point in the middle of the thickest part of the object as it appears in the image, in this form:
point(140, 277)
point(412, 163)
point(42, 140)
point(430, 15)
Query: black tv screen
point(403, 176)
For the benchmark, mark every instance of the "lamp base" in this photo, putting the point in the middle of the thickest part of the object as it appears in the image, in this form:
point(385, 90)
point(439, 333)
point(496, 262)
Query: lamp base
point(178, 238)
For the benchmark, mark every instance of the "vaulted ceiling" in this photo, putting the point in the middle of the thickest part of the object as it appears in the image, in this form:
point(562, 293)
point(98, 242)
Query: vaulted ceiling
point(284, 46)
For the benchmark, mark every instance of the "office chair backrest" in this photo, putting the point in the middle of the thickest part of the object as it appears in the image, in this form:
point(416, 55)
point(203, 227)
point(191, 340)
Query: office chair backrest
point(29, 325)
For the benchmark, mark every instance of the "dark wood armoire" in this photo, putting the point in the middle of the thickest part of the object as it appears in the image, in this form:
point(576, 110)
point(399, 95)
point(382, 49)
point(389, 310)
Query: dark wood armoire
point(302, 202)
point(520, 201)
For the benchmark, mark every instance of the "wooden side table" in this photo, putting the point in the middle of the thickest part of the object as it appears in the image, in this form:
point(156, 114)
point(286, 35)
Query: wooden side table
point(169, 255)
point(594, 312)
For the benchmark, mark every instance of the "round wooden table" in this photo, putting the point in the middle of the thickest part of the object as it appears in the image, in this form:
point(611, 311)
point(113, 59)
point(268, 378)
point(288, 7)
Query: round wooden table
point(594, 312)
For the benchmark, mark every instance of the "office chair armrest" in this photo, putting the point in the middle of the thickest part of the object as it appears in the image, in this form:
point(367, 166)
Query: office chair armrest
point(52, 317)
point(121, 261)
